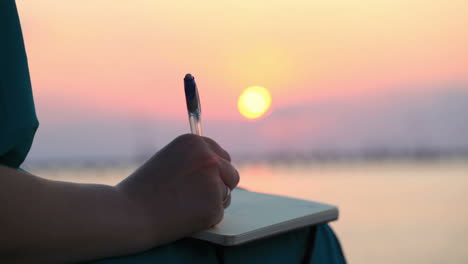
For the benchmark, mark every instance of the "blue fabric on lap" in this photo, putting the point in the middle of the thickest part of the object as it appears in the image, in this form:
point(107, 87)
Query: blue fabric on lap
point(327, 248)
point(288, 248)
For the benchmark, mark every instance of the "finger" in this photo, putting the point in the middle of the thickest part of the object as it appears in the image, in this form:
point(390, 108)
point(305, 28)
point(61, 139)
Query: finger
point(217, 148)
point(228, 173)
point(228, 202)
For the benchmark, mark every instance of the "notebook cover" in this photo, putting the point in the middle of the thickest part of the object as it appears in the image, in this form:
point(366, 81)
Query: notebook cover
point(254, 215)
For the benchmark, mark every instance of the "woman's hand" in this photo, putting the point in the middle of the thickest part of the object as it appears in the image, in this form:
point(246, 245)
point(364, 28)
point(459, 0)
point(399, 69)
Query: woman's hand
point(180, 190)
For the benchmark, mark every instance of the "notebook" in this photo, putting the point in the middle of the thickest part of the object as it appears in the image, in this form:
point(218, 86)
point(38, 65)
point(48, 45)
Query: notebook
point(254, 215)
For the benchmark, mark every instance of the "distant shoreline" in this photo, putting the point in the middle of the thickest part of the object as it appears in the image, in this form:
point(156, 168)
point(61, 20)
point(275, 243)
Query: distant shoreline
point(318, 157)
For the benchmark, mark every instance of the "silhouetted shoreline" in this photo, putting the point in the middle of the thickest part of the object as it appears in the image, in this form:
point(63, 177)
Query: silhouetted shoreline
point(372, 155)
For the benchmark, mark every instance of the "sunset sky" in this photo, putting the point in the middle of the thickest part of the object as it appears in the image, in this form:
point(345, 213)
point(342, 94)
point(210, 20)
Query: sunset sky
point(107, 75)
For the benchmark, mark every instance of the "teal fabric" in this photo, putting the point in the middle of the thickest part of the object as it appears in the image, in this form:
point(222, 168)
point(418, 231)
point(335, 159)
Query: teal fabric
point(18, 124)
point(327, 248)
point(291, 247)
point(18, 121)
point(288, 248)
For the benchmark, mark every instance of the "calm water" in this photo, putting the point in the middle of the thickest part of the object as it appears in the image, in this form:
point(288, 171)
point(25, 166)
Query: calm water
point(393, 212)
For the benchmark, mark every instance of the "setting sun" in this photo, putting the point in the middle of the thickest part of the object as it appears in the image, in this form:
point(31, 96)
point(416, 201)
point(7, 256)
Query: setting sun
point(254, 102)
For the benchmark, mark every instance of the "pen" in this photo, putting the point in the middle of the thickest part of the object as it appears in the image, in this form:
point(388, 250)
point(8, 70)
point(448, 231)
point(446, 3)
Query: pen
point(194, 113)
point(193, 104)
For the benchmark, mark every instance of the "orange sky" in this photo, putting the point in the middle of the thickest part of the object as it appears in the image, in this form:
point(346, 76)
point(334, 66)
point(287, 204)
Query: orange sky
point(129, 57)
point(107, 75)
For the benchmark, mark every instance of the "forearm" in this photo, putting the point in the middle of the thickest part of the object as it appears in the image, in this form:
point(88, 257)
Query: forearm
point(51, 221)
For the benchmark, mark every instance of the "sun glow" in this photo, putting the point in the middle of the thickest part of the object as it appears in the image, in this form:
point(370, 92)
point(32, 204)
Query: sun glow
point(254, 102)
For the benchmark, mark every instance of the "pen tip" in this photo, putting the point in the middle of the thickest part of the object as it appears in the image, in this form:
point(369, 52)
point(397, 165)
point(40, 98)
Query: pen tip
point(188, 77)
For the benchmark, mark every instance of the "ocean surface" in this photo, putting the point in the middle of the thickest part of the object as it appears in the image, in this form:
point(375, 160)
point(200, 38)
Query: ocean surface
point(390, 212)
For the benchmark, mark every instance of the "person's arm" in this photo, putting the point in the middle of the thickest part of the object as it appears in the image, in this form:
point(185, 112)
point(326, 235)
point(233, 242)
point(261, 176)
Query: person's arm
point(49, 221)
point(177, 192)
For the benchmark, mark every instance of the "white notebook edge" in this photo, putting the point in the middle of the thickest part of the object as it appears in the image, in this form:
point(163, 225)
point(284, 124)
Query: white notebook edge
point(325, 216)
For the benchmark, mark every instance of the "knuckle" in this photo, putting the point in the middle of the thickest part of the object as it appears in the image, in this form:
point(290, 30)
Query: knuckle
point(228, 156)
point(232, 175)
point(206, 160)
point(206, 156)
point(216, 145)
point(236, 178)
point(210, 140)
point(187, 138)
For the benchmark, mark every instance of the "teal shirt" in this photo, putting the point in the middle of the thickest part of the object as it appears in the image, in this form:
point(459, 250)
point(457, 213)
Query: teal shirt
point(18, 123)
